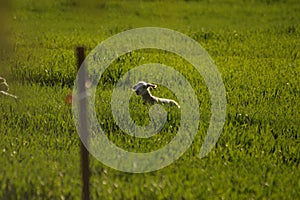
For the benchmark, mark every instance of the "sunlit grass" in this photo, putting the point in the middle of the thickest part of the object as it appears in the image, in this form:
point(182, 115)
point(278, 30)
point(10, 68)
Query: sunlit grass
point(256, 49)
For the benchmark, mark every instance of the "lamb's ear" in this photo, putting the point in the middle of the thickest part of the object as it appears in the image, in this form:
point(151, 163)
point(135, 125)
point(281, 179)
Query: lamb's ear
point(151, 85)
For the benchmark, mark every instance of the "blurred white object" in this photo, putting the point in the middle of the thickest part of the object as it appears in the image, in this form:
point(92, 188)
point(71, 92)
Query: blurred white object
point(4, 88)
point(143, 89)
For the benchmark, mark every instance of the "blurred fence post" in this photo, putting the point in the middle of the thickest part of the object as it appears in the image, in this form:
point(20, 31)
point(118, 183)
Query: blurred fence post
point(84, 134)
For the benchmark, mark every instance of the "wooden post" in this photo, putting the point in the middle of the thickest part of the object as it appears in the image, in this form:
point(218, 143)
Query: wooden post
point(84, 134)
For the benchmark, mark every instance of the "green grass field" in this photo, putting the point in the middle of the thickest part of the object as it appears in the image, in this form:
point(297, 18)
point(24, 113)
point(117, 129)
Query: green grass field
point(255, 45)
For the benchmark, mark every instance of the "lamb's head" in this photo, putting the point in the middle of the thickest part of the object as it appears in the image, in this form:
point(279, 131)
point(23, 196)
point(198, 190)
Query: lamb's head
point(2, 80)
point(3, 85)
point(142, 88)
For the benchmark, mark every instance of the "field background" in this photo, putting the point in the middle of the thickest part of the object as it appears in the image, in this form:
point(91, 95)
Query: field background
point(255, 45)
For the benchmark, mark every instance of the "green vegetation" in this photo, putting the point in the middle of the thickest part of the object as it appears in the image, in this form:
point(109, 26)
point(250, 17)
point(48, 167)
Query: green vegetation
point(255, 45)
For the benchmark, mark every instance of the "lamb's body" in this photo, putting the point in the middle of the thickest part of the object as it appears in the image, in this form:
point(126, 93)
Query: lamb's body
point(142, 88)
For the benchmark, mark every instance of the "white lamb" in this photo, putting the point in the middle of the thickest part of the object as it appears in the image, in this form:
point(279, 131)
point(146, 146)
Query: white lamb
point(143, 89)
point(4, 88)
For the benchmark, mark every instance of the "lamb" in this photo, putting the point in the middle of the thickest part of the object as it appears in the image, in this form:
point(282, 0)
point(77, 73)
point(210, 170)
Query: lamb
point(4, 88)
point(143, 89)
